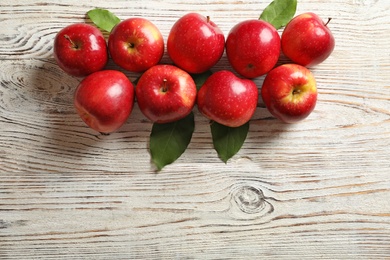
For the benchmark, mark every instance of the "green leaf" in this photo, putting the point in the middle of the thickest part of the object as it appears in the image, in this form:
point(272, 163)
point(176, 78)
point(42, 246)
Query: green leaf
point(228, 140)
point(200, 78)
point(103, 19)
point(279, 12)
point(169, 141)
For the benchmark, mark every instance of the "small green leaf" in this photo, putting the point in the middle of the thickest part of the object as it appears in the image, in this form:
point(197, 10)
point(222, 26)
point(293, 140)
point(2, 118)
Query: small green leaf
point(228, 140)
point(279, 12)
point(103, 19)
point(169, 141)
point(200, 78)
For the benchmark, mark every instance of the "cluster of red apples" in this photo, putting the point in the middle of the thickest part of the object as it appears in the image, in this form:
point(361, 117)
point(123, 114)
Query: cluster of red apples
point(165, 93)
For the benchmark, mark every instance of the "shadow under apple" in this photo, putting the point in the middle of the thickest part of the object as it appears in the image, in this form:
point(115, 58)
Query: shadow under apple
point(68, 144)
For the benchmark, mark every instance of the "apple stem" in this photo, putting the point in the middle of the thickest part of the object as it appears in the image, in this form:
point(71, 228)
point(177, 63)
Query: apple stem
point(296, 91)
point(164, 87)
point(328, 21)
point(75, 46)
point(208, 19)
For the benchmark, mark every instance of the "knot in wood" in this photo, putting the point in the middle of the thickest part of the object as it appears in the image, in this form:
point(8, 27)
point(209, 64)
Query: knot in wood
point(249, 199)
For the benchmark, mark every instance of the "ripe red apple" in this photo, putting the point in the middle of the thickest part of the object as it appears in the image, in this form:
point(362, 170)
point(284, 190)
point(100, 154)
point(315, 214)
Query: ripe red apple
point(136, 44)
point(307, 40)
point(195, 43)
point(253, 48)
point(227, 99)
point(80, 49)
point(289, 92)
point(104, 100)
point(165, 93)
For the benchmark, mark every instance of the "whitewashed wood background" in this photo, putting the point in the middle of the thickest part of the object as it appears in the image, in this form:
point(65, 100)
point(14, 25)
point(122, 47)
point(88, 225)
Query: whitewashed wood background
point(319, 189)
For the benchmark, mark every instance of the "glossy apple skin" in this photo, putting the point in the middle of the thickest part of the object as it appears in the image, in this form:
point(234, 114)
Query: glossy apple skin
point(80, 49)
point(290, 92)
point(253, 48)
point(195, 43)
point(136, 44)
point(227, 99)
point(104, 100)
point(165, 93)
point(306, 40)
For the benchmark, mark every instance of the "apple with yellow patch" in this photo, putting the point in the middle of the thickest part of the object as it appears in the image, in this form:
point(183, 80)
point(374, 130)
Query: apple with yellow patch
point(136, 44)
point(289, 92)
point(165, 93)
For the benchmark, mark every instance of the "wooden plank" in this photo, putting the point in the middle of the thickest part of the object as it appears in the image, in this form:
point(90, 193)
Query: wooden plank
point(38, 115)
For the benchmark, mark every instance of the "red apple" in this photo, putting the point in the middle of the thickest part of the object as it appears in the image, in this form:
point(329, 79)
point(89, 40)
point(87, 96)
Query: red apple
point(80, 49)
point(104, 100)
point(227, 99)
point(195, 43)
point(289, 92)
point(253, 48)
point(136, 44)
point(165, 93)
point(307, 40)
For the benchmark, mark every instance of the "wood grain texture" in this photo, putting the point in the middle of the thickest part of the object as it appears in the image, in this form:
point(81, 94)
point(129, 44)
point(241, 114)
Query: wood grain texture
point(319, 189)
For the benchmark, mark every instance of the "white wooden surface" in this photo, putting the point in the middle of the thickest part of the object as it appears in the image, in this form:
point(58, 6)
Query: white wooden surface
point(319, 189)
